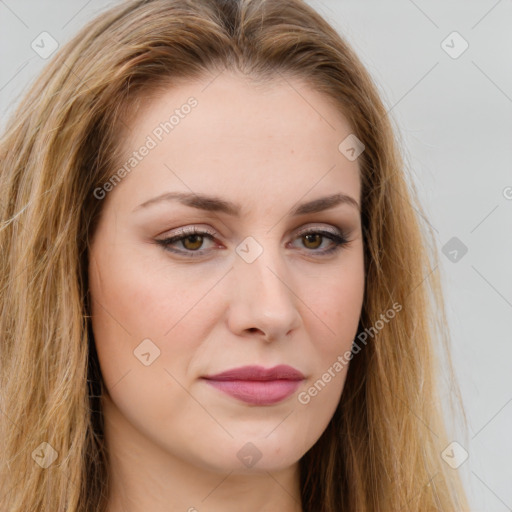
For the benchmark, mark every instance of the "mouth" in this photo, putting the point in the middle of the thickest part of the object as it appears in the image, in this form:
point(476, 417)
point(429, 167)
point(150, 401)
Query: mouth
point(257, 385)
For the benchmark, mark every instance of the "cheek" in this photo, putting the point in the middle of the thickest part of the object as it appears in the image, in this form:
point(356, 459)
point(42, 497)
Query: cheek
point(133, 302)
point(337, 311)
point(337, 302)
point(132, 311)
point(337, 305)
point(136, 294)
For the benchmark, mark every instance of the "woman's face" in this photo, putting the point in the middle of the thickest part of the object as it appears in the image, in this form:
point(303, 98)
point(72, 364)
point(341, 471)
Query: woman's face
point(248, 168)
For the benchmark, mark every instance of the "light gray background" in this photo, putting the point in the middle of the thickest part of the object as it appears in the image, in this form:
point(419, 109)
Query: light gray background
point(455, 117)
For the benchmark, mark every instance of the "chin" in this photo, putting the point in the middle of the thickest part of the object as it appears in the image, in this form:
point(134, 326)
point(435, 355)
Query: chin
point(250, 455)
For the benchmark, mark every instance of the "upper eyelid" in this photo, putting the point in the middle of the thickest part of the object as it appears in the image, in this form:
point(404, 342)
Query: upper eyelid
point(191, 230)
point(321, 228)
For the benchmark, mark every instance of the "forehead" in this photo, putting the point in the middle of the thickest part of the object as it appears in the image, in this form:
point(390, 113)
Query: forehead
point(218, 133)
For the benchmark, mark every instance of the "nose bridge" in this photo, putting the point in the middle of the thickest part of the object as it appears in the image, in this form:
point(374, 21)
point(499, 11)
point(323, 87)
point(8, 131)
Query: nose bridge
point(262, 262)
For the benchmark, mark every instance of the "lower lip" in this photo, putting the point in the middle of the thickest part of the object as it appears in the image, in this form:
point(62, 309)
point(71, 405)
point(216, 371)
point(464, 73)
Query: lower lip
point(257, 392)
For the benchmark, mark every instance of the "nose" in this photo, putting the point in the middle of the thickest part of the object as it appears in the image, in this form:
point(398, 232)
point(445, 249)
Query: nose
point(263, 300)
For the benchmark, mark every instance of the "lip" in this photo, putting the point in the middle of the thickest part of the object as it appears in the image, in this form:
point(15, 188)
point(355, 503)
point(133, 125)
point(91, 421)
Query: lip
point(257, 385)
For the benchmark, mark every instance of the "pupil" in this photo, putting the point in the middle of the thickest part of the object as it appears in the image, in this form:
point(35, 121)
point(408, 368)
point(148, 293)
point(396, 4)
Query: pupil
point(194, 239)
point(311, 237)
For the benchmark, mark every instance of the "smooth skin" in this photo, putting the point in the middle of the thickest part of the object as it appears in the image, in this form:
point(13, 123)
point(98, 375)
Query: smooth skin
point(174, 441)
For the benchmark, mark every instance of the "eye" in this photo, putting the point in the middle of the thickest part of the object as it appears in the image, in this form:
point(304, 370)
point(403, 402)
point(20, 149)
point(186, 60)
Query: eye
point(313, 238)
point(192, 239)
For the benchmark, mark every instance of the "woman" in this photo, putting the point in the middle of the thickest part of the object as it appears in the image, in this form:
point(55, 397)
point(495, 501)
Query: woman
point(214, 288)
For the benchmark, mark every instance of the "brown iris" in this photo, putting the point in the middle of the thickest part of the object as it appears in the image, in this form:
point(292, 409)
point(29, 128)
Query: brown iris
point(311, 237)
point(197, 241)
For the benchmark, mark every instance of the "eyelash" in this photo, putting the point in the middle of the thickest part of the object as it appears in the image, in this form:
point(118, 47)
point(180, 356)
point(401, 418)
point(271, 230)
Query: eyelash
point(339, 241)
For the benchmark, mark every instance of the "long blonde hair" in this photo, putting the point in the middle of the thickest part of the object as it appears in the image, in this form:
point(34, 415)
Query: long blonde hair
point(382, 449)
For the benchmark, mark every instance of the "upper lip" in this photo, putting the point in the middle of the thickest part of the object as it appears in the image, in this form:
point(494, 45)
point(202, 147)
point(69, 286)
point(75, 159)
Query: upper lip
point(259, 373)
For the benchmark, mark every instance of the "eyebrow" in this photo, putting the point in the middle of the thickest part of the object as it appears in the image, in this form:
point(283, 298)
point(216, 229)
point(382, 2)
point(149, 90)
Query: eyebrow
point(216, 204)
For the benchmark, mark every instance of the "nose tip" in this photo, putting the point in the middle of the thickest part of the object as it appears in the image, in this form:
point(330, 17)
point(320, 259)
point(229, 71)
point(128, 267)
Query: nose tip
point(263, 304)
